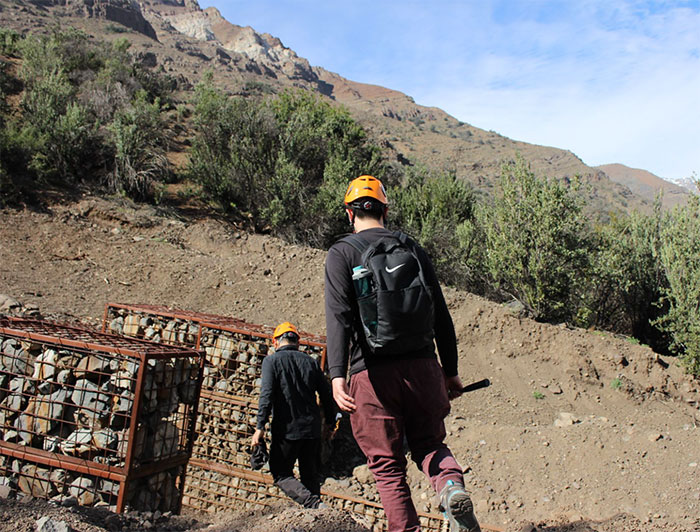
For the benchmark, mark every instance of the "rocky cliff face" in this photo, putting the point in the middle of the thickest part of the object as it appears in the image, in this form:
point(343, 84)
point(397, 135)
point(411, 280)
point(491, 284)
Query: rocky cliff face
point(124, 12)
point(264, 49)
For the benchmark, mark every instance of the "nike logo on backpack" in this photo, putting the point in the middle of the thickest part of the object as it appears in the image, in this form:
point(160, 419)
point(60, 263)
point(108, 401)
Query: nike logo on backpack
point(391, 270)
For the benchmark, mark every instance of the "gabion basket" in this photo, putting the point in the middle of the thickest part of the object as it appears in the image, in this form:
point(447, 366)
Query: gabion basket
point(100, 418)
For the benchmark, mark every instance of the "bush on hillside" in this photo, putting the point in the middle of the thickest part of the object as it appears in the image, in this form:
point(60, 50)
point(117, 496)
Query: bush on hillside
point(680, 256)
point(327, 147)
point(438, 212)
point(234, 151)
point(627, 280)
point(284, 162)
point(8, 42)
point(140, 160)
point(535, 244)
point(88, 113)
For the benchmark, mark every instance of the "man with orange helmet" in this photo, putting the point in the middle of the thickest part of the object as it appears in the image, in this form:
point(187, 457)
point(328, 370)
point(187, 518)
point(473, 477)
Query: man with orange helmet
point(403, 392)
point(290, 381)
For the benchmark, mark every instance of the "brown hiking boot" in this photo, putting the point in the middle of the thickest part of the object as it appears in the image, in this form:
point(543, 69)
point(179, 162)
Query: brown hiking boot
point(458, 508)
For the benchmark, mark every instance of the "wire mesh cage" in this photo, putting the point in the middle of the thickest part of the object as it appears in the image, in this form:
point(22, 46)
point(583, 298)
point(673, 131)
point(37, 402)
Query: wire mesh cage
point(102, 418)
point(222, 489)
point(155, 323)
point(232, 373)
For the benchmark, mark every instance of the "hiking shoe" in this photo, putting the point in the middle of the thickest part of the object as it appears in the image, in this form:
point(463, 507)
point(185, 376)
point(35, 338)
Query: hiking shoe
point(458, 508)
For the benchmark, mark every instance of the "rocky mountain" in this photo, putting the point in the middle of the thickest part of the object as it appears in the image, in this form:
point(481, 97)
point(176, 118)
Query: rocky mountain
point(688, 183)
point(646, 184)
point(184, 40)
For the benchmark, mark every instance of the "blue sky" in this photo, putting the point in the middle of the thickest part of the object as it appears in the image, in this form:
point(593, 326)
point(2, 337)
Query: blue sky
point(613, 81)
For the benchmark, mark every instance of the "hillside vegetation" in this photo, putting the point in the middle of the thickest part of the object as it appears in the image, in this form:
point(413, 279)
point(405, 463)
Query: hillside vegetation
point(78, 112)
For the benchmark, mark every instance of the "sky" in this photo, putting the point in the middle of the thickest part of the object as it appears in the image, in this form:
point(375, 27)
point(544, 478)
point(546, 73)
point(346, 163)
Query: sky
point(613, 81)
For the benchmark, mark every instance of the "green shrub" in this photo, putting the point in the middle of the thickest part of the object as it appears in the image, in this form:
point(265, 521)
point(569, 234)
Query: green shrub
point(60, 136)
point(59, 130)
point(88, 114)
point(438, 211)
point(680, 256)
point(258, 87)
point(68, 51)
point(626, 279)
point(8, 42)
point(140, 161)
point(283, 163)
point(116, 28)
point(328, 147)
point(536, 248)
point(235, 149)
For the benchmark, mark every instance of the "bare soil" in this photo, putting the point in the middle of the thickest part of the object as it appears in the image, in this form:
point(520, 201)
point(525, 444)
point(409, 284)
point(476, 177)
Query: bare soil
point(579, 431)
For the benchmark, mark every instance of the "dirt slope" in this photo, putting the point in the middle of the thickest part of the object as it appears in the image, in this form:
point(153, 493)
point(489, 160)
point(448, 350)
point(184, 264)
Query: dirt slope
point(579, 430)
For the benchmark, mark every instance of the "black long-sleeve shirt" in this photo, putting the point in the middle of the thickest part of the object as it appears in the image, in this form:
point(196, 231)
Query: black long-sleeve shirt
point(345, 342)
point(290, 381)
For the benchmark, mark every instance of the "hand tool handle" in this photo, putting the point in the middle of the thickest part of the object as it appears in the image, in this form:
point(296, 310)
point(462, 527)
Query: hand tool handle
point(483, 383)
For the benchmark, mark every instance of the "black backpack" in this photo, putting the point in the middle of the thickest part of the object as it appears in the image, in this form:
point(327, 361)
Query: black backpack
point(394, 299)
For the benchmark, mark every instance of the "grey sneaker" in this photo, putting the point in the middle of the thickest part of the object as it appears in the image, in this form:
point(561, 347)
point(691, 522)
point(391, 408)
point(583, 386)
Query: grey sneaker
point(458, 508)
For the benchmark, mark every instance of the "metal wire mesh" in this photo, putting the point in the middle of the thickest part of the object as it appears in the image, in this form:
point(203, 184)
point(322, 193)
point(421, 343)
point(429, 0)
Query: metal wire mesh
point(223, 489)
point(232, 373)
point(180, 327)
point(156, 324)
point(217, 490)
point(159, 491)
point(99, 405)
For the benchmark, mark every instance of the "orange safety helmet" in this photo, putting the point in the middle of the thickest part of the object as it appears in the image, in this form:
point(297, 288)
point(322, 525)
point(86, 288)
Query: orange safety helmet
point(284, 328)
point(366, 186)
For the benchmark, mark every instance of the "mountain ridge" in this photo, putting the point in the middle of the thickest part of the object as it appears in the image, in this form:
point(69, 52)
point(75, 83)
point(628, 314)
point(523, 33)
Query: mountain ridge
point(369, 101)
point(646, 184)
point(187, 41)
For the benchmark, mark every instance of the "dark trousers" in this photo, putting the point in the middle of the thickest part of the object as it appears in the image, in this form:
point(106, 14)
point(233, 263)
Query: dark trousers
point(400, 399)
point(283, 455)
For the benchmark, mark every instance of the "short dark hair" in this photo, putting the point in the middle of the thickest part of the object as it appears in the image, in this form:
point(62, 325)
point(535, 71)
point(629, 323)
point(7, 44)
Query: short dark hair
point(365, 208)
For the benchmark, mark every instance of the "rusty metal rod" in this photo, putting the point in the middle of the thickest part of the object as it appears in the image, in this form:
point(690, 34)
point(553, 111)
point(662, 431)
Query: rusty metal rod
point(70, 463)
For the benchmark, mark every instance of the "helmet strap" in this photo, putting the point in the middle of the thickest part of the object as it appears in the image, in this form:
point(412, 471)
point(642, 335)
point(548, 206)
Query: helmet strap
point(351, 215)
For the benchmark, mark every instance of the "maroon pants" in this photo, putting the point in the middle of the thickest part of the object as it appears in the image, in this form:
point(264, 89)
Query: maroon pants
point(406, 398)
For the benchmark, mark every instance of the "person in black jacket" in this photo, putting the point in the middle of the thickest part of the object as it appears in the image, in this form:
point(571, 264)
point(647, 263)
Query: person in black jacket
point(397, 396)
point(290, 381)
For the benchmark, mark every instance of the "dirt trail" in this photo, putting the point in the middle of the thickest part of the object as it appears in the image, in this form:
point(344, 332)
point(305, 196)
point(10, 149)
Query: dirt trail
point(579, 431)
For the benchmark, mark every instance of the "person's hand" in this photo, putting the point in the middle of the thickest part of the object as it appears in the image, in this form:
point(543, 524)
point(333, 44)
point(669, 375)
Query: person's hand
point(454, 387)
point(257, 437)
point(341, 395)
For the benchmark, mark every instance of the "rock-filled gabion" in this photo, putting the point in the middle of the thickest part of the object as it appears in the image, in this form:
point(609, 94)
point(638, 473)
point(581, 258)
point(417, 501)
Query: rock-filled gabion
point(77, 400)
point(155, 328)
point(232, 372)
point(159, 491)
point(216, 491)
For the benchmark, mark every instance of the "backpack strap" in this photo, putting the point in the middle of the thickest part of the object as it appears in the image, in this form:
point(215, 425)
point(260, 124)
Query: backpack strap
point(358, 242)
